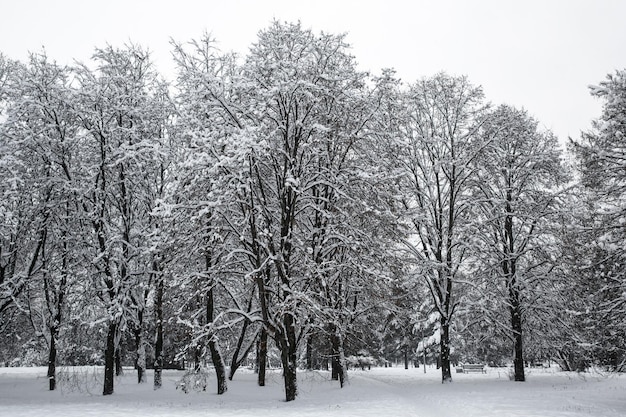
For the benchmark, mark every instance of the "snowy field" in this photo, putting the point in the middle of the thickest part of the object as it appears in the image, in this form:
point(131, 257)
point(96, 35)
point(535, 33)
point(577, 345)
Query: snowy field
point(392, 392)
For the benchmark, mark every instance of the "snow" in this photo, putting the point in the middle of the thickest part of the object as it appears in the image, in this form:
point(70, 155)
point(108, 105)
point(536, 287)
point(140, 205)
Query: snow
point(380, 392)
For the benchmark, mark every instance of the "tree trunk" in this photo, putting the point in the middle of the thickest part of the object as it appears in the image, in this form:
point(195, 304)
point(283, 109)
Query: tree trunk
point(290, 377)
point(220, 369)
point(287, 343)
point(444, 346)
point(262, 356)
point(216, 356)
point(288, 358)
point(141, 354)
point(158, 348)
point(334, 363)
point(338, 360)
point(256, 354)
point(343, 373)
point(56, 323)
point(509, 268)
point(52, 358)
point(119, 370)
point(238, 358)
point(334, 353)
point(109, 360)
point(406, 357)
point(518, 361)
point(309, 352)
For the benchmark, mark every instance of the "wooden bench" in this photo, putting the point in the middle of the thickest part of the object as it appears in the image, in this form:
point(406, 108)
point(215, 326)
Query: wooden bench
point(473, 367)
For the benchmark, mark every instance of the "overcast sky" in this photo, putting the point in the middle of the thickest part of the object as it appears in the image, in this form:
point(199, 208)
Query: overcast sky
point(537, 54)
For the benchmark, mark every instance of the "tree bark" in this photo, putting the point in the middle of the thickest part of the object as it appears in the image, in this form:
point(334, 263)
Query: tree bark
point(406, 357)
point(518, 361)
point(109, 360)
point(119, 370)
point(509, 268)
point(289, 374)
point(56, 319)
point(309, 352)
point(262, 357)
point(158, 348)
point(216, 356)
point(444, 346)
point(220, 368)
point(52, 358)
point(287, 343)
point(334, 363)
point(141, 353)
point(338, 361)
point(238, 358)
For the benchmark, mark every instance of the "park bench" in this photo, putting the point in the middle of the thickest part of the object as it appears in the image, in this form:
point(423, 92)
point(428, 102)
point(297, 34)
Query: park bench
point(473, 367)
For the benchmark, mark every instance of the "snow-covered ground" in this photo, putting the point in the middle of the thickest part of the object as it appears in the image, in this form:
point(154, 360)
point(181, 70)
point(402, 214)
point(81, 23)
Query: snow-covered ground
point(380, 392)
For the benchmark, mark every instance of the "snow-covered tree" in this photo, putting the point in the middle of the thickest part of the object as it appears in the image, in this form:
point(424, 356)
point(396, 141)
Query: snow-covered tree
point(40, 133)
point(120, 109)
point(516, 188)
point(601, 157)
point(213, 167)
point(319, 201)
point(438, 144)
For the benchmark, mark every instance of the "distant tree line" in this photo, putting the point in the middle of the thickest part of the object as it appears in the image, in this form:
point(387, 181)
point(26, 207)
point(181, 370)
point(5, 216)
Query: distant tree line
point(288, 203)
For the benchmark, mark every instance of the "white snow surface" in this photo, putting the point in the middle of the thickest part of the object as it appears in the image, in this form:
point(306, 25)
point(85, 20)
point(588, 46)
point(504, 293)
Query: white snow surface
point(393, 392)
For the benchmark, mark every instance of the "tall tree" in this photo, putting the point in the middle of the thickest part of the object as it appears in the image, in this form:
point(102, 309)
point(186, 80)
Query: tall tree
point(214, 158)
point(42, 131)
point(120, 109)
point(601, 157)
point(516, 187)
point(438, 146)
point(15, 209)
point(311, 111)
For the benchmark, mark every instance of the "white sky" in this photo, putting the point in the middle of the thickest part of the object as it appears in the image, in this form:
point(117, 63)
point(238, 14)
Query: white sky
point(536, 54)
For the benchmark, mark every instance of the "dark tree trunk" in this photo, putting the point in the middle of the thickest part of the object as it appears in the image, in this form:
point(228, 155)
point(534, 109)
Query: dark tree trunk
point(52, 358)
point(119, 370)
point(262, 356)
point(406, 357)
point(256, 354)
point(334, 364)
point(141, 354)
point(509, 269)
point(216, 356)
point(289, 374)
point(238, 358)
point(518, 361)
point(109, 360)
point(158, 348)
point(309, 352)
point(338, 360)
point(287, 344)
point(220, 369)
point(56, 319)
point(334, 354)
point(444, 346)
